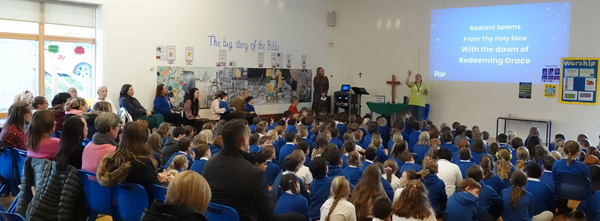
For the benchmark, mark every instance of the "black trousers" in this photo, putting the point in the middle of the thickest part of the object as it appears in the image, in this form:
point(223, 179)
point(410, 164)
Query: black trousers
point(174, 118)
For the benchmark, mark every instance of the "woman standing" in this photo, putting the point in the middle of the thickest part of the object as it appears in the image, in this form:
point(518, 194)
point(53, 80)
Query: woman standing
point(418, 91)
point(102, 96)
point(191, 107)
point(135, 109)
point(162, 105)
point(13, 133)
point(321, 85)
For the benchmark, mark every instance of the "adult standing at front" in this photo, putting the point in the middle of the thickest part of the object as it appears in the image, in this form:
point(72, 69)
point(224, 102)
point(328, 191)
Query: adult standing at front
point(103, 96)
point(135, 109)
point(236, 182)
point(163, 105)
point(418, 91)
point(321, 86)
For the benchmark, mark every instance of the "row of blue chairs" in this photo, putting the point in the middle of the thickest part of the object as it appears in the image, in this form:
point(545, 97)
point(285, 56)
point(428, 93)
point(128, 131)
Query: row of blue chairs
point(11, 217)
point(11, 169)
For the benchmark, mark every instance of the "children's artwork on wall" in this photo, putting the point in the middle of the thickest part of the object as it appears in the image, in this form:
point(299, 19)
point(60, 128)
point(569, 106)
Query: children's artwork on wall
point(266, 85)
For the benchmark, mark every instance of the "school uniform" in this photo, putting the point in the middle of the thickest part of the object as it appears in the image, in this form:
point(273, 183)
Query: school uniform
point(525, 209)
point(310, 143)
point(462, 206)
point(595, 206)
point(409, 165)
point(344, 210)
point(366, 163)
point(305, 175)
point(335, 170)
point(353, 174)
point(400, 164)
point(308, 128)
point(464, 166)
point(407, 128)
point(271, 172)
point(437, 193)
point(291, 128)
point(385, 133)
point(394, 181)
point(390, 145)
point(275, 190)
point(476, 156)
point(542, 194)
point(339, 143)
point(381, 156)
point(366, 142)
point(307, 161)
point(214, 150)
point(514, 160)
point(198, 165)
point(341, 129)
point(490, 202)
point(576, 167)
point(344, 160)
point(450, 174)
point(387, 188)
point(252, 128)
point(419, 153)
point(292, 203)
point(547, 179)
point(253, 148)
point(280, 142)
point(319, 192)
point(188, 157)
point(450, 146)
point(414, 137)
point(285, 150)
point(496, 183)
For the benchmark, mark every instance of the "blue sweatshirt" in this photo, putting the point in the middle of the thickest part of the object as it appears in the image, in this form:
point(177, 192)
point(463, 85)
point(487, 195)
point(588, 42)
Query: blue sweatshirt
point(464, 165)
point(366, 141)
point(400, 164)
point(250, 108)
point(547, 179)
point(490, 201)
point(523, 212)
point(285, 150)
point(420, 152)
point(365, 164)
point(224, 104)
point(341, 129)
point(291, 128)
point(252, 128)
point(595, 207)
point(437, 193)
point(338, 142)
point(275, 189)
point(198, 165)
point(214, 150)
point(253, 148)
point(542, 194)
point(335, 170)
point(271, 172)
point(414, 137)
point(353, 174)
point(381, 156)
point(462, 206)
point(408, 165)
point(576, 167)
point(162, 105)
point(387, 187)
point(344, 161)
point(319, 193)
point(291, 203)
point(496, 183)
point(385, 133)
point(477, 156)
point(450, 146)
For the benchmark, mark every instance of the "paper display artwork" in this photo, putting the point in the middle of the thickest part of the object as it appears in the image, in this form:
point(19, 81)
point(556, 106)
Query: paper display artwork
point(279, 59)
point(551, 73)
point(550, 90)
point(288, 60)
point(274, 59)
point(266, 85)
point(379, 99)
point(222, 58)
point(171, 54)
point(261, 59)
point(189, 55)
point(579, 81)
point(303, 61)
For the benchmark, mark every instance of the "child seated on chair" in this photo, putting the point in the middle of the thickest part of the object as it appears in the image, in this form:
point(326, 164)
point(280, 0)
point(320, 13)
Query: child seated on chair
point(179, 164)
point(202, 150)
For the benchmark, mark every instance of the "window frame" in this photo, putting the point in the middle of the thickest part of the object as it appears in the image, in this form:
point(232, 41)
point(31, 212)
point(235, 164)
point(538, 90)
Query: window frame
point(41, 37)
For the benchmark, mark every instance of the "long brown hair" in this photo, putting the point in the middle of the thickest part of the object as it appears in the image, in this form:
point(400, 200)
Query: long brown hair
point(429, 167)
point(16, 115)
point(133, 144)
point(339, 190)
point(40, 128)
point(159, 89)
point(368, 188)
point(518, 180)
point(391, 163)
point(487, 165)
point(571, 150)
point(503, 163)
point(413, 202)
point(155, 143)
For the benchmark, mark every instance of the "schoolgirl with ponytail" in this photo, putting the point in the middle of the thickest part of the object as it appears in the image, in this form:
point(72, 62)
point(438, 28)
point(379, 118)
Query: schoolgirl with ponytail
point(413, 204)
point(569, 164)
point(489, 177)
point(290, 200)
point(337, 207)
point(390, 173)
point(522, 158)
point(505, 167)
point(435, 187)
point(518, 203)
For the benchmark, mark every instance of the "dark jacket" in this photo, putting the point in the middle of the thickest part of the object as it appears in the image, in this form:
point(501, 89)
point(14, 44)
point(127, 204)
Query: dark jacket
point(140, 171)
point(168, 150)
point(174, 212)
point(237, 183)
point(90, 117)
point(133, 106)
point(59, 194)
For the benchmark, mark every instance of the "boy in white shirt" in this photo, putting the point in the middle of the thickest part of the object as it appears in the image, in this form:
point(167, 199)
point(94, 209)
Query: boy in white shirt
point(303, 173)
point(447, 171)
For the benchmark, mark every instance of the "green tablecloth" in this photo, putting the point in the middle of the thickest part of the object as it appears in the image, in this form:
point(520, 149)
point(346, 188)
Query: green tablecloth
point(385, 108)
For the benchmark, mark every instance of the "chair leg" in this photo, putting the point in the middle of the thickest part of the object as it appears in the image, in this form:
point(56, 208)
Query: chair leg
point(3, 189)
point(93, 217)
point(13, 205)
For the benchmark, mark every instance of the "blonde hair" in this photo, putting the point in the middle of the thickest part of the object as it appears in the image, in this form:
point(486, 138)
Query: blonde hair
point(25, 96)
point(189, 188)
point(340, 188)
point(557, 155)
point(200, 139)
point(76, 104)
point(209, 135)
point(522, 155)
point(503, 165)
point(163, 130)
point(375, 141)
point(423, 138)
point(397, 137)
point(178, 162)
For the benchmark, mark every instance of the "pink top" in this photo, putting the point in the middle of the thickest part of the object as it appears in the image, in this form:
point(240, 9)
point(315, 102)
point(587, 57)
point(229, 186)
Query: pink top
point(46, 150)
point(92, 154)
point(74, 111)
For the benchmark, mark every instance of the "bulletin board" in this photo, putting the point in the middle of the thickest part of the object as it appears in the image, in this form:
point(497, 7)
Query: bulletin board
point(579, 81)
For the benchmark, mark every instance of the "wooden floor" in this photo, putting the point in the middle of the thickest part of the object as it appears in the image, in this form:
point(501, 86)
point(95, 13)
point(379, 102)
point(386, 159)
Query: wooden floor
point(6, 201)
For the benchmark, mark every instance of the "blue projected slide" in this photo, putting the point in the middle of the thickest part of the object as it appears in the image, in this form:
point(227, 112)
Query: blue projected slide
point(509, 43)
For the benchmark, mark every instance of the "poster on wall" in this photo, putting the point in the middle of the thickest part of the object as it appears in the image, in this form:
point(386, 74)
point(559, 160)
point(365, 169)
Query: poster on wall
point(525, 90)
point(288, 60)
point(171, 54)
point(266, 85)
point(579, 81)
point(303, 61)
point(550, 90)
point(189, 55)
point(261, 59)
point(274, 59)
point(222, 58)
point(161, 52)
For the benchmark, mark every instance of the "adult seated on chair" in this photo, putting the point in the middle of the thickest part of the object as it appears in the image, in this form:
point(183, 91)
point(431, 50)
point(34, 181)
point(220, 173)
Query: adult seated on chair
point(90, 117)
point(219, 107)
point(162, 105)
point(77, 106)
point(241, 175)
point(13, 133)
point(39, 143)
point(58, 106)
point(135, 109)
point(132, 162)
point(240, 105)
point(39, 103)
point(70, 148)
point(188, 196)
point(191, 105)
point(102, 97)
point(103, 141)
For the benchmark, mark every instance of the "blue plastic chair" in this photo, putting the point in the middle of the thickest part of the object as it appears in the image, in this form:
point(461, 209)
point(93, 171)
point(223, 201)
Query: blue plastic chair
point(218, 212)
point(160, 192)
point(572, 186)
point(12, 217)
point(131, 199)
point(98, 197)
point(11, 169)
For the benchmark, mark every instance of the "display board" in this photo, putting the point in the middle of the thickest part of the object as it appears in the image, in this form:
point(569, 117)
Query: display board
point(266, 85)
point(579, 81)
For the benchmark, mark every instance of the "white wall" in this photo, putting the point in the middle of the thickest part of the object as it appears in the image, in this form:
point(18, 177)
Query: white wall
point(361, 45)
point(129, 31)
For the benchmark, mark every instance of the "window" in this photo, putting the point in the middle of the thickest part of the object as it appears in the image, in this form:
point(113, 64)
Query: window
point(46, 48)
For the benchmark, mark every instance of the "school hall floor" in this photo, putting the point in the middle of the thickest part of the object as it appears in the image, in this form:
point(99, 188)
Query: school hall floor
point(6, 201)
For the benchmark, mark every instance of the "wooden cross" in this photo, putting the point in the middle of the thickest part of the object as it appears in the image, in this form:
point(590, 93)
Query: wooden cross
point(393, 82)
